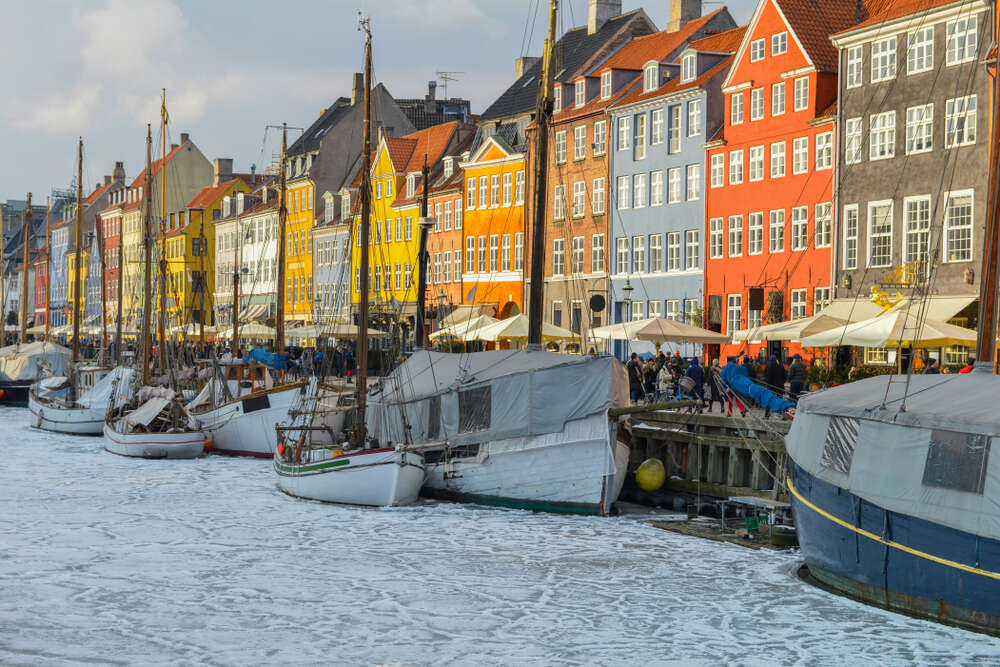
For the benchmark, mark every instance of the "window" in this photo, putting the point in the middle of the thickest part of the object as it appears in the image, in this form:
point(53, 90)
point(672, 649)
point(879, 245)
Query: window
point(824, 150)
point(693, 182)
point(756, 163)
point(736, 167)
point(557, 313)
point(640, 137)
point(800, 227)
point(445, 264)
point(656, 127)
point(735, 235)
point(656, 188)
point(470, 193)
point(597, 197)
point(579, 142)
point(399, 221)
point(675, 130)
point(495, 191)
point(506, 193)
point(639, 191)
point(882, 139)
point(656, 253)
point(916, 228)
point(437, 268)
point(821, 299)
point(756, 104)
point(756, 50)
point(558, 257)
point(855, 55)
point(957, 461)
point(960, 121)
point(823, 224)
point(755, 233)
point(483, 189)
point(778, 98)
point(776, 231)
point(883, 59)
point(481, 255)
point(624, 133)
point(674, 251)
point(518, 251)
point(655, 311)
point(694, 118)
point(961, 36)
point(622, 255)
point(579, 199)
point(852, 142)
point(605, 85)
point(800, 155)
point(779, 43)
point(600, 137)
point(734, 312)
point(519, 187)
point(778, 159)
point(597, 253)
point(504, 253)
point(624, 189)
point(494, 248)
point(715, 238)
point(736, 109)
point(798, 309)
point(919, 128)
point(718, 170)
point(409, 228)
point(560, 149)
point(880, 234)
point(559, 202)
point(958, 227)
point(801, 93)
point(437, 222)
point(474, 409)
point(638, 254)
point(692, 250)
point(674, 185)
point(638, 312)
point(649, 77)
point(580, 93)
point(920, 51)
point(557, 98)
point(850, 237)
point(689, 67)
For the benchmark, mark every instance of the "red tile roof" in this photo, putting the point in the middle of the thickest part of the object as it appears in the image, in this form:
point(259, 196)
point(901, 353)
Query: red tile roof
point(211, 194)
point(155, 167)
point(814, 21)
point(400, 150)
point(674, 85)
point(93, 196)
point(723, 42)
point(880, 11)
point(657, 46)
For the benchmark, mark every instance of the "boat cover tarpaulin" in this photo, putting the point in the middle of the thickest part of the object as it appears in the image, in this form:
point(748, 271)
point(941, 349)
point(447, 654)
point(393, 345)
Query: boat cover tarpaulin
point(735, 375)
point(262, 356)
point(20, 363)
point(100, 394)
point(931, 461)
point(147, 412)
point(485, 396)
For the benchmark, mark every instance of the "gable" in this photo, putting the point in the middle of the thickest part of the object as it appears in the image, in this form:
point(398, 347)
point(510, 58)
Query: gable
point(768, 20)
point(489, 150)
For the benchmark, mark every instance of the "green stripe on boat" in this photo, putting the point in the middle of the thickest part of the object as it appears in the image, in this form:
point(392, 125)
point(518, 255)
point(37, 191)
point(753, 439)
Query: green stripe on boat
point(309, 468)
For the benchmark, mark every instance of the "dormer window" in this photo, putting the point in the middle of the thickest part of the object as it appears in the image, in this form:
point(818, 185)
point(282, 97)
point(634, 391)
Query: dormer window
point(449, 166)
point(557, 99)
point(606, 85)
point(649, 77)
point(580, 93)
point(345, 204)
point(328, 204)
point(688, 67)
point(411, 185)
point(227, 206)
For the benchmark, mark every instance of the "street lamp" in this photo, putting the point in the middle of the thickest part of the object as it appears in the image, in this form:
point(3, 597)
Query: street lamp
point(627, 299)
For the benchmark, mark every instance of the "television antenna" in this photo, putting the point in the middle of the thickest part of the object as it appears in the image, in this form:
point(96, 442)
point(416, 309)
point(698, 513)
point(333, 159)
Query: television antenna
point(445, 78)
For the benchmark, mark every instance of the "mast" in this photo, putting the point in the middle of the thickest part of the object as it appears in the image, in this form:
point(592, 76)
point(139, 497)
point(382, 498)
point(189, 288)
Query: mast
point(3, 281)
point(24, 270)
point(48, 267)
point(420, 337)
point(987, 330)
point(79, 251)
point(99, 224)
point(543, 113)
point(161, 329)
point(121, 270)
point(237, 258)
point(361, 393)
point(201, 287)
point(147, 242)
point(279, 322)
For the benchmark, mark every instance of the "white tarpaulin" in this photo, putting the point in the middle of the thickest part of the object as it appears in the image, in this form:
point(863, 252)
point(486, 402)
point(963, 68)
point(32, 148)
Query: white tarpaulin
point(931, 461)
point(147, 412)
point(100, 394)
point(20, 363)
point(658, 330)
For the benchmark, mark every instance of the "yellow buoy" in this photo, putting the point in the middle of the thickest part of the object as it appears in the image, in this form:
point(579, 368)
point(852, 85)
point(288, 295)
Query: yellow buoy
point(650, 475)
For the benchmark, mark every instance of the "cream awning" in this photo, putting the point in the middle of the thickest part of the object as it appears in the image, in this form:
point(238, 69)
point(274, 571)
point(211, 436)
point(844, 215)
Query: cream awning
point(897, 327)
point(460, 329)
point(658, 330)
point(516, 328)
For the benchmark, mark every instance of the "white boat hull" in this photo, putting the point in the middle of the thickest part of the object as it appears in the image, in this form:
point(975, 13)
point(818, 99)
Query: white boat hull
point(378, 477)
point(580, 470)
point(243, 428)
point(80, 421)
point(176, 445)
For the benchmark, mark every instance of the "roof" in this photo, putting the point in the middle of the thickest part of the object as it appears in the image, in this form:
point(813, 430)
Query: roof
point(724, 42)
point(657, 46)
point(155, 167)
point(674, 85)
point(211, 194)
point(100, 190)
point(310, 139)
point(814, 21)
point(573, 50)
point(880, 11)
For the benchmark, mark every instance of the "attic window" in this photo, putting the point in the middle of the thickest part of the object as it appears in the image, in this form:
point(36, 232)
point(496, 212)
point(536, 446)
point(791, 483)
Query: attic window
point(580, 93)
point(688, 67)
point(756, 50)
point(779, 43)
point(449, 166)
point(345, 203)
point(411, 185)
point(557, 99)
point(649, 76)
point(606, 85)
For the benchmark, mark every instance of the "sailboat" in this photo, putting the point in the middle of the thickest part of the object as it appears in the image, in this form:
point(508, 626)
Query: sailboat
point(892, 484)
point(308, 462)
point(146, 421)
point(77, 403)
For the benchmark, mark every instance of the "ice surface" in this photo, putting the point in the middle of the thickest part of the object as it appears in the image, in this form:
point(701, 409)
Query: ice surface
point(123, 561)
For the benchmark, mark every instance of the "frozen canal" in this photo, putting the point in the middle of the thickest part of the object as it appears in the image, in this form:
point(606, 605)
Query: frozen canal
point(111, 560)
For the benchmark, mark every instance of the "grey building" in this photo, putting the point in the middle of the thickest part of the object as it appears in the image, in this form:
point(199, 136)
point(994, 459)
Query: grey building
point(913, 125)
point(430, 110)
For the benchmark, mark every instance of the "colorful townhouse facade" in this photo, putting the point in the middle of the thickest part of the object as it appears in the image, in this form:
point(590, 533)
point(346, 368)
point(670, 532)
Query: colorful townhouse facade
point(446, 239)
point(331, 254)
point(110, 224)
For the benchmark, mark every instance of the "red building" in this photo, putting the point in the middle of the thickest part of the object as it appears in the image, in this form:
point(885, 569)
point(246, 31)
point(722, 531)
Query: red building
point(41, 267)
point(111, 226)
point(769, 208)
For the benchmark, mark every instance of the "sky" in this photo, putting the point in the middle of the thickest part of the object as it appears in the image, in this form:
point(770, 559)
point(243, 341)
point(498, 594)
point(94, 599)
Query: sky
point(94, 68)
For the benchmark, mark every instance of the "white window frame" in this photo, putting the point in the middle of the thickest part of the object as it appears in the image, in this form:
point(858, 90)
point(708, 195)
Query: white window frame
point(579, 142)
point(822, 225)
point(776, 231)
point(778, 98)
point(801, 93)
point(693, 182)
point(960, 123)
point(756, 104)
point(757, 50)
point(920, 50)
point(735, 227)
point(734, 312)
point(849, 250)
point(718, 169)
point(800, 228)
point(883, 57)
point(887, 235)
point(605, 85)
point(692, 250)
point(656, 188)
point(967, 229)
point(824, 151)
point(580, 93)
point(882, 135)
point(855, 67)
point(597, 253)
point(779, 43)
point(639, 192)
point(918, 234)
point(674, 185)
point(736, 109)
point(853, 135)
point(920, 128)
point(579, 199)
point(756, 163)
point(600, 137)
point(778, 162)
point(716, 238)
point(959, 47)
point(597, 196)
point(800, 155)
point(623, 192)
point(694, 118)
point(755, 233)
point(656, 127)
point(736, 167)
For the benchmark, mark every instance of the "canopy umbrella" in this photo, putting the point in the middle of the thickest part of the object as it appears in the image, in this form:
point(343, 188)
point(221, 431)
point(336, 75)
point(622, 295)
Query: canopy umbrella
point(792, 330)
point(343, 330)
point(658, 330)
point(250, 330)
point(36, 330)
point(516, 328)
point(190, 329)
point(897, 327)
point(459, 329)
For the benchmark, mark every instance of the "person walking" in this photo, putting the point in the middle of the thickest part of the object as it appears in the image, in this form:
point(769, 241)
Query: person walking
point(715, 384)
point(697, 374)
point(634, 368)
point(774, 378)
point(796, 378)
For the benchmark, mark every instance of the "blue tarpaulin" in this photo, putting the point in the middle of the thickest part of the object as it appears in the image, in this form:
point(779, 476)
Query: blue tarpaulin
point(272, 359)
point(735, 375)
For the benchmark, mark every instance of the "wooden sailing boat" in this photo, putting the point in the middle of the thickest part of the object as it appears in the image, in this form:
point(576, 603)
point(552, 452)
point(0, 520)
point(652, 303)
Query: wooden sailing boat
point(151, 422)
point(307, 461)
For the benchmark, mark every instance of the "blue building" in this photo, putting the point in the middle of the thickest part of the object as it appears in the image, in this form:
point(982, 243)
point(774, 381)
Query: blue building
point(657, 182)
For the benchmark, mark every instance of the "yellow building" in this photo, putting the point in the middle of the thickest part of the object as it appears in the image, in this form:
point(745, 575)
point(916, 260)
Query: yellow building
point(299, 221)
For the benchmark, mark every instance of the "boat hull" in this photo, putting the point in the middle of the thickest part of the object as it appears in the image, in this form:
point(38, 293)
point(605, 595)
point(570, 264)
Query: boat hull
point(377, 477)
point(578, 471)
point(14, 393)
point(246, 427)
point(177, 445)
point(77, 421)
point(893, 560)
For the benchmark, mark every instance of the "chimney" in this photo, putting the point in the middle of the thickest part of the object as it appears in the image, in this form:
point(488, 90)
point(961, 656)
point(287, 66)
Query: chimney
point(429, 99)
point(600, 11)
point(222, 170)
point(107, 180)
point(174, 147)
point(358, 89)
point(184, 137)
point(682, 11)
point(522, 65)
point(119, 172)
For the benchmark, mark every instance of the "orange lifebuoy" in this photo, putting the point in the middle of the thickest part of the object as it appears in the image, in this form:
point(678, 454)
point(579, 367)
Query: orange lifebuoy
point(209, 445)
point(298, 448)
point(281, 449)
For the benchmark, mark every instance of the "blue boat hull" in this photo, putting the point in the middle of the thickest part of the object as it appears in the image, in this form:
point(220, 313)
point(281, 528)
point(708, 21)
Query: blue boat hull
point(893, 560)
